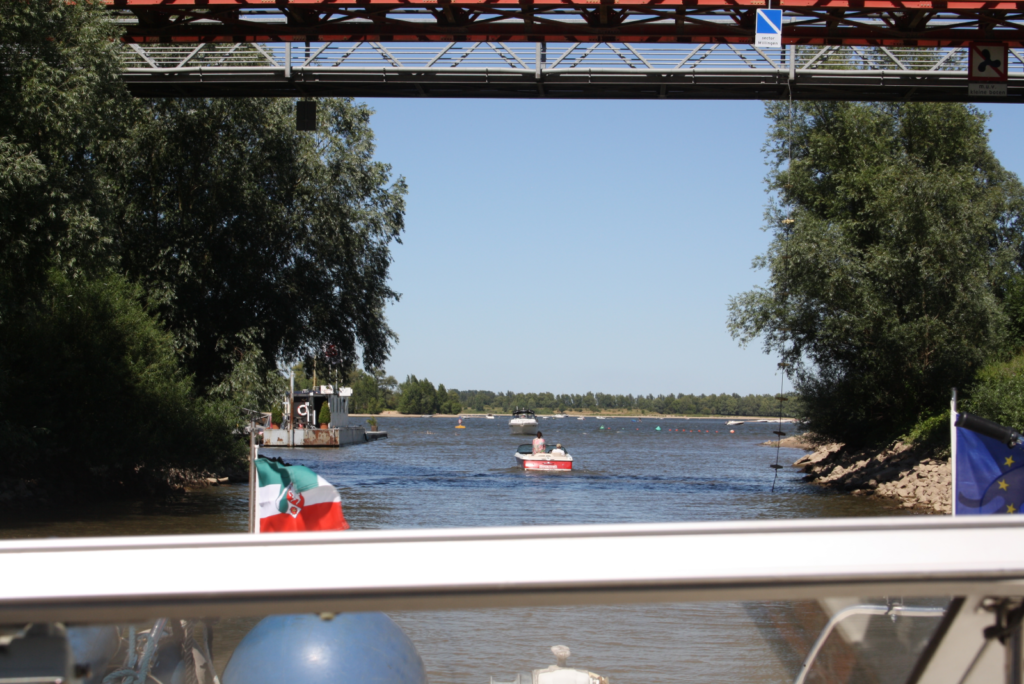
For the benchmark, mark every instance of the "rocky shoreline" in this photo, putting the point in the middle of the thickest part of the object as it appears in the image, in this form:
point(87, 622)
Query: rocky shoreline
point(24, 494)
point(916, 477)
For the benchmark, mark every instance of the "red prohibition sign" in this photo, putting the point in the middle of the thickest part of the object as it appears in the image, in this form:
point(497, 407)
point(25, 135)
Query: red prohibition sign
point(988, 57)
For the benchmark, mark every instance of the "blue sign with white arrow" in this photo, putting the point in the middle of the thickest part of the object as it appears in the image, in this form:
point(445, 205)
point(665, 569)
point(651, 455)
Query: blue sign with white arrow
point(769, 28)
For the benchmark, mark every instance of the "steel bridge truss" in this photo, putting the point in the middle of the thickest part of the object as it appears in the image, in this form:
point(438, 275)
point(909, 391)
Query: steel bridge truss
point(569, 70)
point(916, 23)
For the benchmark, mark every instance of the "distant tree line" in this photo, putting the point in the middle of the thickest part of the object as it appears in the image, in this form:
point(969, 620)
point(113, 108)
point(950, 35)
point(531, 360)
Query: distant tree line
point(376, 391)
point(674, 404)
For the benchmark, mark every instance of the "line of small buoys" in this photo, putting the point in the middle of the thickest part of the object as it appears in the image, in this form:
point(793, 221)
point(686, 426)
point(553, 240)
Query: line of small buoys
point(684, 430)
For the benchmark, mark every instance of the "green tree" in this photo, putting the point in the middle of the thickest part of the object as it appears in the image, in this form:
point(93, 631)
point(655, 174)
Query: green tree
point(325, 414)
point(429, 394)
point(94, 349)
point(889, 227)
point(372, 392)
point(71, 332)
point(453, 404)
point(364, 391)
point(411, 397)
point(63, 109)
point(249, 235)
point(998, 393)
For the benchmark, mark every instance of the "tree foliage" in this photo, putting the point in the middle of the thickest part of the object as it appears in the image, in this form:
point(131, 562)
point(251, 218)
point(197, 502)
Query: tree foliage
point(998, 393)
point(160, 259)
point(248, 234)
point(128, 413)
point(420, 396)
point(372, 392)
point(892, 227)
point(73, 334)
point(62, 110)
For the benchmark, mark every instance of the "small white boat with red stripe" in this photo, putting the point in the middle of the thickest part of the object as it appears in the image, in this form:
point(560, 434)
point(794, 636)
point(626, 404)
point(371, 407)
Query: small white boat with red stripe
point(552, 458)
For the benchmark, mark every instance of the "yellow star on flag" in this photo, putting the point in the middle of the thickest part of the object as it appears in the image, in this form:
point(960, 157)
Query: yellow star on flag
point(1011, 509)
point(1003, 486)
point(1009, 461)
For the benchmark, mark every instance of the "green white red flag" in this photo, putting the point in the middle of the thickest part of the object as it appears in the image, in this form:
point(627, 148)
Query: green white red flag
point(295, 499)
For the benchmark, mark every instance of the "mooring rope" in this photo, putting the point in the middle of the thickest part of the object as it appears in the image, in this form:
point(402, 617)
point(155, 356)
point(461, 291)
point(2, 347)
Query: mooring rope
point(133, 675)
point(187, 654)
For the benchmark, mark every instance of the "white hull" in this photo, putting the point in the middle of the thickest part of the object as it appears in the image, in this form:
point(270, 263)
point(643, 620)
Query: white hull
point(523, 426)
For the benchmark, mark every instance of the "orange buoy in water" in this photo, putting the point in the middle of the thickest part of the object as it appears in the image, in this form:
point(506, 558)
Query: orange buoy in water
point(731, 431)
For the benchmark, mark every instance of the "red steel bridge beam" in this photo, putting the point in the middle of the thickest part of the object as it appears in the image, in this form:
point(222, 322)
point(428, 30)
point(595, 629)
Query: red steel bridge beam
point(920, 23)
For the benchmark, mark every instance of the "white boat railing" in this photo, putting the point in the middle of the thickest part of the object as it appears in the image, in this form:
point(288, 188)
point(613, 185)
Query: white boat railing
point(133, 578)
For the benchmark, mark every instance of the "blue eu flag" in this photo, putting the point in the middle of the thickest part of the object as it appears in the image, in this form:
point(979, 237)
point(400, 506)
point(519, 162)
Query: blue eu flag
point(989, 475)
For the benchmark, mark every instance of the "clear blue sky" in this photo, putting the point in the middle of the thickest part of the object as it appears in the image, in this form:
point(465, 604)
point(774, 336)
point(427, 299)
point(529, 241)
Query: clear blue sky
point(583, 246)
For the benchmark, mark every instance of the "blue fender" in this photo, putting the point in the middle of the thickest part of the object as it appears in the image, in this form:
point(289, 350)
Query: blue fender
point(351, 648)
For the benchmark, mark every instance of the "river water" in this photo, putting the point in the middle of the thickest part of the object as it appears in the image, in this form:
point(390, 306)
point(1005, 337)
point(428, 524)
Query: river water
point(429, 474)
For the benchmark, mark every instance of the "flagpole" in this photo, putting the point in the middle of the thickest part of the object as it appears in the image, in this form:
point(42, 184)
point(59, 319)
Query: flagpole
point(952, 452)
point(253, 487)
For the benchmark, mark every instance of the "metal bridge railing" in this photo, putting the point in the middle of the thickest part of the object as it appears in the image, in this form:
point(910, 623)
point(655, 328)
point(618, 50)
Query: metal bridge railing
point(555, 56)
point(622, 70)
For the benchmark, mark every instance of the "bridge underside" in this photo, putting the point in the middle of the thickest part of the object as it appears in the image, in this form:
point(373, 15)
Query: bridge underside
point(598, 87)
point(911, 23)
point(629, 49)
point(563, 71)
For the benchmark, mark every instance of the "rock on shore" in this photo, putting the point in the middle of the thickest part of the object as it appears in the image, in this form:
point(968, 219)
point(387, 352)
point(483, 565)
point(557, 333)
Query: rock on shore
point(916, 477)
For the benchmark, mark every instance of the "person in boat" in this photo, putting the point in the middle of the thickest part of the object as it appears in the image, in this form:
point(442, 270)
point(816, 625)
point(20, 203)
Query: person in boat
point(538, 443)
point(558, 450)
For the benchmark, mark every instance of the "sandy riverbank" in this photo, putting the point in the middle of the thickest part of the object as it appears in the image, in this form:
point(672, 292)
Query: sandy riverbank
point(916, 477)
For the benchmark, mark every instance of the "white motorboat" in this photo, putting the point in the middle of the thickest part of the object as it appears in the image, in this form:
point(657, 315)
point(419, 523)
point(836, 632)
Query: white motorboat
point(552, 458)
point(557, 674)
point(490, 416)
point(600, 417)
point(523, 422)
point(734, 422)
point(581, 418)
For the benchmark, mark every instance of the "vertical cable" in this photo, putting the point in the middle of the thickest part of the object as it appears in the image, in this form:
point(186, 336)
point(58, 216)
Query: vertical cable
point(779, 434)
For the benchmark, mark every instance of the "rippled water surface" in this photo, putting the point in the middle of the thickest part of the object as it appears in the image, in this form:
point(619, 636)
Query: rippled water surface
point(429, 474)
